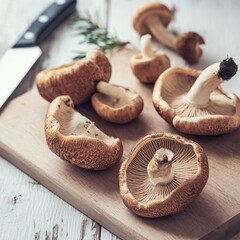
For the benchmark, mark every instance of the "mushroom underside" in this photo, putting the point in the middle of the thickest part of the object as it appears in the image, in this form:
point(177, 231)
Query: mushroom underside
point(185, 163)
point(117, 102)
point(176, 87)
point(73, 123)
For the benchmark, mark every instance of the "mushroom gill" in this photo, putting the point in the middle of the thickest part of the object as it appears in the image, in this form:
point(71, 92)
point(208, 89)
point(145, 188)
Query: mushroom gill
point(117, 102)
point(75, 124)
point(178, 85)
point(185, 163)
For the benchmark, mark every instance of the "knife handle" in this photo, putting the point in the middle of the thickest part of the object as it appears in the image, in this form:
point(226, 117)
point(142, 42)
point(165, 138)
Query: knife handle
point(46, 22)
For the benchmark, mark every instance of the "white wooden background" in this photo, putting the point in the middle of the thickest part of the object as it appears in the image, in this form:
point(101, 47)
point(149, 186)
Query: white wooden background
point(27, 209)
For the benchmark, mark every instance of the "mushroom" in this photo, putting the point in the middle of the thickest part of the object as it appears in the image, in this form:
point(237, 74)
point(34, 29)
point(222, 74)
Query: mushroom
point(193, 102)
point(154, 18)
point(115, 103)
point(76, 79)
point(76, 139)
point(99, 58)
point(162, 175)
point(147, 66)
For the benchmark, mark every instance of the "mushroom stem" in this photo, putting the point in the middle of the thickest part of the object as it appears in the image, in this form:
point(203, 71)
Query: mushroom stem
point(110, 90)
point(208, 81)
point(146, 47)
point(160, 32)
point(160, 169)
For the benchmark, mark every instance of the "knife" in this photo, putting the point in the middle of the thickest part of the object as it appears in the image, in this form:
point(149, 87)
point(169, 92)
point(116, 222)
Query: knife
point(22, 56)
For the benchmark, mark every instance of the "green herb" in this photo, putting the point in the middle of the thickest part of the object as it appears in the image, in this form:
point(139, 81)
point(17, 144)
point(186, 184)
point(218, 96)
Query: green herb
point(93, 35)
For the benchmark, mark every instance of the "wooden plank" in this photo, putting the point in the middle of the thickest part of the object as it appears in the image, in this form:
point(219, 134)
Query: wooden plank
point(29, 211)
point(105, 234)
point(96, 193)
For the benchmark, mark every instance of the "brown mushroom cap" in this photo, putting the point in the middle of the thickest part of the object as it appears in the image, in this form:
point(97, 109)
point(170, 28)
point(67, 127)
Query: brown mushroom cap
point(188, 46)
point(148, 200)
point(99, 58)
point(76, 139)
point(221, 116)
point(147, 70)
point(76, 79)
point(118, 110)
point(148, 9)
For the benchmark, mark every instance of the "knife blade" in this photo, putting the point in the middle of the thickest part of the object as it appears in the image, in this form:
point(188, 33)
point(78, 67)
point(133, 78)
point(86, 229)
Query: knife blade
point(18, 60)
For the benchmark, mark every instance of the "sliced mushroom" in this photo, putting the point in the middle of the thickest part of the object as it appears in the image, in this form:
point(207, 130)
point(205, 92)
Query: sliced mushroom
point(163, 174)
point(147, 66)
point(76, 139)
point(193, 102)
point(115, 103)
point(154, 18)
point(77, 79)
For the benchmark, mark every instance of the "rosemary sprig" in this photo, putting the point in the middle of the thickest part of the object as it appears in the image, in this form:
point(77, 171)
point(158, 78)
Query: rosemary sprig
point(92, 35)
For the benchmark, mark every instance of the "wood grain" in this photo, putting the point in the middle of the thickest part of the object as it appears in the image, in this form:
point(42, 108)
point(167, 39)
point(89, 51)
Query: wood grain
point(228, 230)
point(96, 194)
point(29, 211)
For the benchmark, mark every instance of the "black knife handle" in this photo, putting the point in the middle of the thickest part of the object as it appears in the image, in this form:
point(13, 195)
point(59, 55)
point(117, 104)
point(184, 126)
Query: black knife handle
point(46, 22)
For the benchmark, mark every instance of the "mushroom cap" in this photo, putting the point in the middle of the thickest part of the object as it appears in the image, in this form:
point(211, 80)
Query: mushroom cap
point(221, 116)
point(99, 58)
point(148, 9)
point(122, 111)
point(76, 139)
point(147, 70)
point(188, 46)
point(190, 176)
point(76, 79)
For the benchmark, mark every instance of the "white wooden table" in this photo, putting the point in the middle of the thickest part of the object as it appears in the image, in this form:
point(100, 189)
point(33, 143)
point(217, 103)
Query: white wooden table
point(27, 209)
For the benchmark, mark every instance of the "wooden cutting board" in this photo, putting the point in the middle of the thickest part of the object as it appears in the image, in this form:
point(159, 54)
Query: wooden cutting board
point(22, 142)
